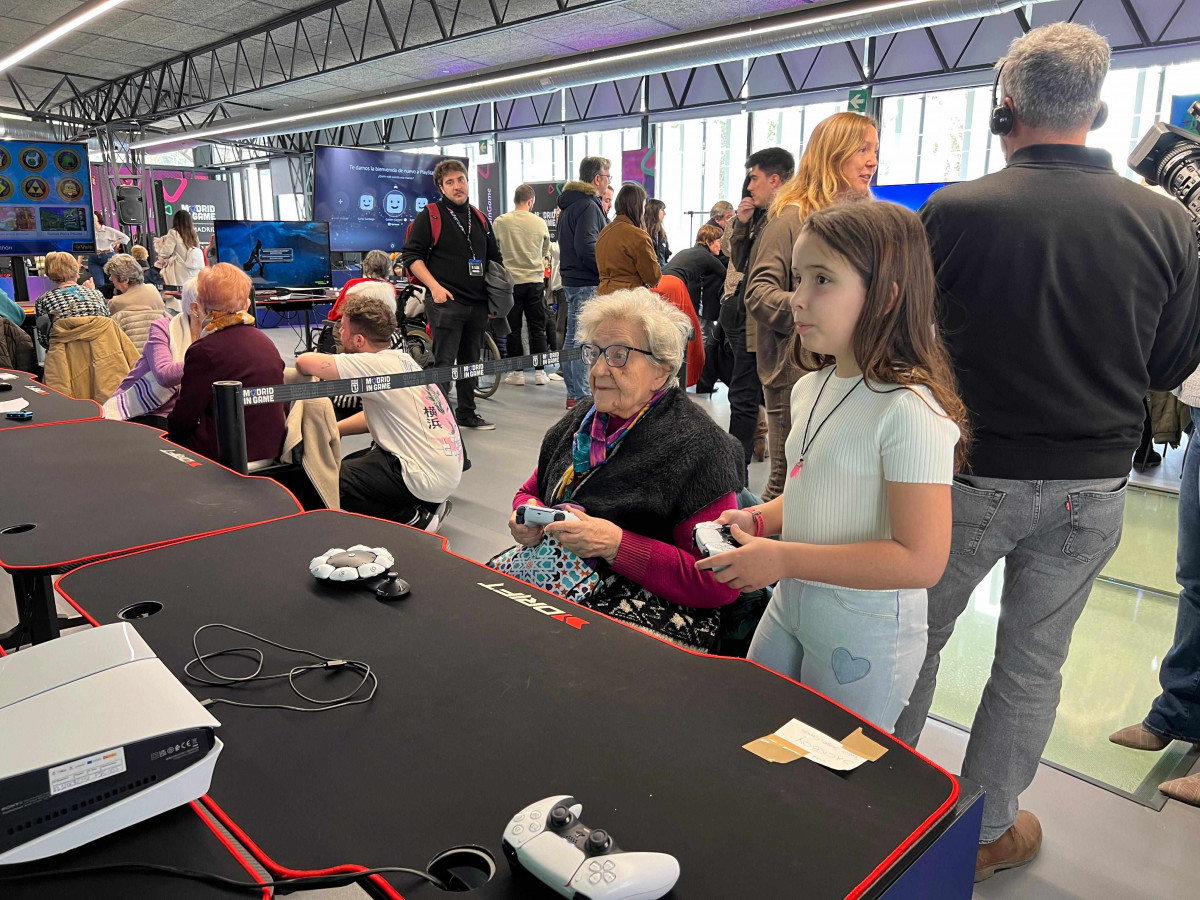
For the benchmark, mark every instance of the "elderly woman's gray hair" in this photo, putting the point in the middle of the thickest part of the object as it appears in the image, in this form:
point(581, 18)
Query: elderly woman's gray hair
point(666, 328)
point(124, 267)
point(376, 264)
point(1054, 76)
point(376, 290)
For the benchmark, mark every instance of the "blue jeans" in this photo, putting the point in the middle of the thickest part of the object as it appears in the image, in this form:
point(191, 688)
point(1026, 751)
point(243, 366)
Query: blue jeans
point(575, 371)
point(1176, 711)
point(95, 266)
point(1054, 538)
point(863, 649)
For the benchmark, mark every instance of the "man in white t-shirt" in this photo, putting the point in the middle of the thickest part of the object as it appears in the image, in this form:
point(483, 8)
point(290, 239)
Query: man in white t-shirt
point(416, 458)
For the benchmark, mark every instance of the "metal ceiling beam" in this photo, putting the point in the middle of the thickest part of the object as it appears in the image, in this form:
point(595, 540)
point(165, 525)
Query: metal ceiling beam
point(332, 36)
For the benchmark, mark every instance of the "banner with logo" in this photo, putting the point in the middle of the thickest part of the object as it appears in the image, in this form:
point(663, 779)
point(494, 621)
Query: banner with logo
point(205, 198)
point(545, 202)
point(638, 165)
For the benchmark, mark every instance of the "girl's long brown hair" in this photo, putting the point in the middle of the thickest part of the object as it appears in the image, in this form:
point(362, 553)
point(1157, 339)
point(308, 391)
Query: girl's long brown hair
point(182, 223)
point(895, 342)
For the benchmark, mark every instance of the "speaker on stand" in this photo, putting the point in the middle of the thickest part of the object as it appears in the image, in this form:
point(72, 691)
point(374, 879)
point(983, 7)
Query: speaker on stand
point(131, 205)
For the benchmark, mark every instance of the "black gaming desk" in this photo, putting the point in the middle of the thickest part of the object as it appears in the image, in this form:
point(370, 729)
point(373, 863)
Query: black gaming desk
point(88, 490)
point(296, 303)
point(181, 838)
point(493, 695)
point(48, 406)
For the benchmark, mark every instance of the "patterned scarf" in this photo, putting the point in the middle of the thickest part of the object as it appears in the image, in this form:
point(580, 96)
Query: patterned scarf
point(593, 446)
point(218, 321)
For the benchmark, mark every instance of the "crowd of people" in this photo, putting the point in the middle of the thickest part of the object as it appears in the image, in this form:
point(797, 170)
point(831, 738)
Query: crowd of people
point(934, 403)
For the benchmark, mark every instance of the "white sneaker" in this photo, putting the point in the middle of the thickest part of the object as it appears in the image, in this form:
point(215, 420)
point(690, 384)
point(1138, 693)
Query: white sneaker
point(539, 377)
point(517, 378)
point(554, 376)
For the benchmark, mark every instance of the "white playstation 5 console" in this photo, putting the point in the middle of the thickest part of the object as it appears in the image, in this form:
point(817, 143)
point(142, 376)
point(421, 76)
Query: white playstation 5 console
point(95, 735)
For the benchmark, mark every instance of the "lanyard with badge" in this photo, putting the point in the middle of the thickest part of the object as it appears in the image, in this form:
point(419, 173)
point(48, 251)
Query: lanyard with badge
point(474, 266)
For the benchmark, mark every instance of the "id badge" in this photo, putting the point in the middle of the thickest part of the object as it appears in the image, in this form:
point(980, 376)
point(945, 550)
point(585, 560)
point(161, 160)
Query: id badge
point(475, 266)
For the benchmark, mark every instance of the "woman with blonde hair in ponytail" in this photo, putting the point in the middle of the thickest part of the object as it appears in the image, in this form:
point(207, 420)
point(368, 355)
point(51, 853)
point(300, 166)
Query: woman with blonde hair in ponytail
point(838, 165)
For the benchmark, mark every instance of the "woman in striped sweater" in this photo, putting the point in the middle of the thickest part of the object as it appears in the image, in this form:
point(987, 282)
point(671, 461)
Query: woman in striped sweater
point(865, 512)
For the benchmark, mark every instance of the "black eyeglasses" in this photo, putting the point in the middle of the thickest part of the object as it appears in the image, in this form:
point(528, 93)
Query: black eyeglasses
point(616, 355)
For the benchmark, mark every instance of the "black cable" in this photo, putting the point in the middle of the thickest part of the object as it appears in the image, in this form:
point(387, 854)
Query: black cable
point(304, 882)
point(324, 663)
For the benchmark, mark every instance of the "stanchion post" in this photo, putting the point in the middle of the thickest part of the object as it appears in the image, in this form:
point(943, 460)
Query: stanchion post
point(231, 425)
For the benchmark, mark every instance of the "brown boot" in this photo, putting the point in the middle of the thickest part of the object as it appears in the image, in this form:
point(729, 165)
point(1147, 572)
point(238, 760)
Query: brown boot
point(1016, 847)
point(1185, 790)
point(760, 436)
point(1138, 737)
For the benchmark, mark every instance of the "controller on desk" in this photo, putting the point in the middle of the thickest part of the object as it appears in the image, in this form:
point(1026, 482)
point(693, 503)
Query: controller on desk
point(547, 840)
point(542, 515)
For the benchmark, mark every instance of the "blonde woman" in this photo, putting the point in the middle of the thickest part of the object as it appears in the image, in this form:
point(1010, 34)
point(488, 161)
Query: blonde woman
point(838, 165)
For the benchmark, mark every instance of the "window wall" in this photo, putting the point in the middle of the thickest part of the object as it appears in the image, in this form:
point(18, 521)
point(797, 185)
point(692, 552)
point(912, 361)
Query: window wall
point(535, 159)
point(790, 127)
point(700, 161)
point(609, 144)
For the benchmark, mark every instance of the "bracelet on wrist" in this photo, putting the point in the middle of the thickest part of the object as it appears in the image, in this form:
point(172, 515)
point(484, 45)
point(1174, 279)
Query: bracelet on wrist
point(760, 525)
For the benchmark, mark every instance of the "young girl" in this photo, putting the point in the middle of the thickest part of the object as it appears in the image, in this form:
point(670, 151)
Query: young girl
point(865, 514)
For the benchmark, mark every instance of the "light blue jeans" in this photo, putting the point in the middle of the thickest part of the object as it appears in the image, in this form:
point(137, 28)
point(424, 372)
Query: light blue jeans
point(863, 649)
point(575, 371)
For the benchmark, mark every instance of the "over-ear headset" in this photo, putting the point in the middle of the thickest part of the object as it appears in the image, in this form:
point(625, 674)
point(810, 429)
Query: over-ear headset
point(1001, 121)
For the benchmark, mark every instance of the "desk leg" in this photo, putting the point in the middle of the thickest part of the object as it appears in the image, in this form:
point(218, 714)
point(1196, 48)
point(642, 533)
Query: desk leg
point(308, 341)
point(38, 619)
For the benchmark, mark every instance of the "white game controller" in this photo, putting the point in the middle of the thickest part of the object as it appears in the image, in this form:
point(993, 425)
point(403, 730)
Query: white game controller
point(712, 539)
point(532, 516)
point(547, 840)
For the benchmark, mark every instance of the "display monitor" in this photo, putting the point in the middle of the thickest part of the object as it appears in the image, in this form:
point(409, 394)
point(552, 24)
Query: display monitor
point(277, 254)
point(911, 195)
point(370, 197)
point(45, 199)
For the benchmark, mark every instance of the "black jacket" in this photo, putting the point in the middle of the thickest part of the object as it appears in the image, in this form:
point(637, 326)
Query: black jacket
point(448, 259)
point(704, 275)
point(1066, 292)
point(579, 224)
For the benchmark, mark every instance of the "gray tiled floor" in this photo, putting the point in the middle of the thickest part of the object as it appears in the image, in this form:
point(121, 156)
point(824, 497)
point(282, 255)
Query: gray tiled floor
point(1098, 845)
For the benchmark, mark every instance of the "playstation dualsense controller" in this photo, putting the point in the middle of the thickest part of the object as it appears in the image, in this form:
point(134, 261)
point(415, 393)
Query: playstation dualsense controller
point(547, 840)
point(542, 515)
point(712, 539)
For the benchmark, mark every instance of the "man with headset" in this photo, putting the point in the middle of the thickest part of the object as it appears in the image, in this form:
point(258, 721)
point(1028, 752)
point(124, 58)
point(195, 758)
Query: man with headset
point(1065, 293)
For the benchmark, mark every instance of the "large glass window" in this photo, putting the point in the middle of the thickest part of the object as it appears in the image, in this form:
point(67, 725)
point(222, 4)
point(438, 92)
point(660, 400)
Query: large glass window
point(609, 144)
point(535, 159)
point(700, 161)
point(939, 136)
point(790, 127)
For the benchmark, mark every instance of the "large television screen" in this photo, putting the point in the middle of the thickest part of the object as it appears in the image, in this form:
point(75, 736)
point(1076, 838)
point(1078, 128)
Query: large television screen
point(911, 195)
point(277, 254)
point(45, 199)
point(370, 197)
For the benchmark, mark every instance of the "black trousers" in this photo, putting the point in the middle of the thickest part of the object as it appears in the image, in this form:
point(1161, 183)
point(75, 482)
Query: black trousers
point(458, 330)
point(372, 483)
point(745, 395)
point(718, 358)
point(528, 299)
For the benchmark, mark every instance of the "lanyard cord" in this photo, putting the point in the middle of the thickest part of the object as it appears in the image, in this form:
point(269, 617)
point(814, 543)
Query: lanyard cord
point(806, 442)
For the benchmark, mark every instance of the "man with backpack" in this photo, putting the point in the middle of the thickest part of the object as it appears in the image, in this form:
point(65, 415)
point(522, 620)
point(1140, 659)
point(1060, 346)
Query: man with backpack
point(448, 250)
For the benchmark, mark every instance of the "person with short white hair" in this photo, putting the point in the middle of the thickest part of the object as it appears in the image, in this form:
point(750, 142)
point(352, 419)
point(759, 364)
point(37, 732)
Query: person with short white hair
point(1066, 292)
point(655, 465)
point(136, 305)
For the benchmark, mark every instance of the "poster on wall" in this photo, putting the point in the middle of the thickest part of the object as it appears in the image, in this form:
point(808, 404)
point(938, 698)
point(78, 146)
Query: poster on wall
point(489, 200)
point(638, 165)
point(205, 198)
point(45, 198)
point(545, 203)
point(1180, 117)
point(370, 197)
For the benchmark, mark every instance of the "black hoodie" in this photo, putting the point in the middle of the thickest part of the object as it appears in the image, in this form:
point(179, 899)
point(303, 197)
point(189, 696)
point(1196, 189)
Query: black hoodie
point(579, 225)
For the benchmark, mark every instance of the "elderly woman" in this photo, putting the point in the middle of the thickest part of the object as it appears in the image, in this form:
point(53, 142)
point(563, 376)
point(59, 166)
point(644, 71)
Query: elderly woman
point(639, 466)
point(226, 347)
point(67, 297)
point(136, 304)
point(376, 266)
point(147, 395)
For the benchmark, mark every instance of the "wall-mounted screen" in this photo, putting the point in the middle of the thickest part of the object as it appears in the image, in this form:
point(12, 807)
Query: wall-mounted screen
point(45, 199)
point(911, 195)
point(369, 197)
point(277, 254)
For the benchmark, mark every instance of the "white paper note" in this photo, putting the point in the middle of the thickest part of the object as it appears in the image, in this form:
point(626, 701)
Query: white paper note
point(17, 405)
point(821, 748)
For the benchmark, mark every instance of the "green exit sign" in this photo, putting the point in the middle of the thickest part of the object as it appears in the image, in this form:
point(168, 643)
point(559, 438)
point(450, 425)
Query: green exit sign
point(860, 100)
point(483, 147)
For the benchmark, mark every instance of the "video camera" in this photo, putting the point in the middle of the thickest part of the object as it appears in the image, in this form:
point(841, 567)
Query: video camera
point(1169, 157)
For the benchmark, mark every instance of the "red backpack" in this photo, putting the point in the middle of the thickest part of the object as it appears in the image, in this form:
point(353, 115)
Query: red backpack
point(435, 227)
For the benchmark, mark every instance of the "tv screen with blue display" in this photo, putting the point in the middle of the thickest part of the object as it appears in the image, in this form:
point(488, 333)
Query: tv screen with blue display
point(45, 199)
point(277, 254)
point(911, 195)
point(370, 197)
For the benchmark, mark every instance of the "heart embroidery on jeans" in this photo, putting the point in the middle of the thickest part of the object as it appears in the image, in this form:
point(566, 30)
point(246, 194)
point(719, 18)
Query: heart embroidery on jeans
point(848, 668)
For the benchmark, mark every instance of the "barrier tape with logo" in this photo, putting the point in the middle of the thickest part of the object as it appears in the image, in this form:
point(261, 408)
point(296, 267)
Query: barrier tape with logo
point(289, 393)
